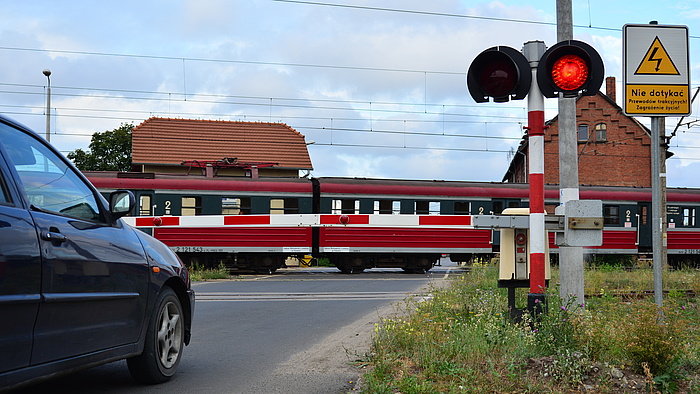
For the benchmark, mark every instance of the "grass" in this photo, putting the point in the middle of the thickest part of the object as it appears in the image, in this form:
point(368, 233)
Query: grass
point(461, 340)
point(198, 273)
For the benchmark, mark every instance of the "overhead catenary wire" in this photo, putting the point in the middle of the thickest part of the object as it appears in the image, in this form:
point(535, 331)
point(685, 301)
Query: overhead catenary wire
point(284, 103)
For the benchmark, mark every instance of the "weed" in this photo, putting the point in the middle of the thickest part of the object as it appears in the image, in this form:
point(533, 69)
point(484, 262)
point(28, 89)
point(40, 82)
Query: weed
point(198, 273)
point(461, 340)
point(656, 337)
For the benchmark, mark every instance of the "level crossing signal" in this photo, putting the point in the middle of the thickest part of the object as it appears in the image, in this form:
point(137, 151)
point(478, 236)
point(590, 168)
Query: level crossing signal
point(500, 72)
point(570, 68)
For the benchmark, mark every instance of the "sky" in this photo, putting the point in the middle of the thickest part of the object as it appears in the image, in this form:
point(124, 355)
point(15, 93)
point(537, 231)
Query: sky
point(376, 87)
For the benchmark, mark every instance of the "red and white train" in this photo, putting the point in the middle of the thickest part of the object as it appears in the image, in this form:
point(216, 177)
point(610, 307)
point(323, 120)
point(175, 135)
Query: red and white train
point(255, 224)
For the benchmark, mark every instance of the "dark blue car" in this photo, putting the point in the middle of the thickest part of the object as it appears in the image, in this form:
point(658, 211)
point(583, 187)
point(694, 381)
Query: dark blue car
point(78, 287)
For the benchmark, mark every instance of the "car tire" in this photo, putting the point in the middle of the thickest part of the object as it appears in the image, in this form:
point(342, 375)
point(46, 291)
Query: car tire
point(164, 342)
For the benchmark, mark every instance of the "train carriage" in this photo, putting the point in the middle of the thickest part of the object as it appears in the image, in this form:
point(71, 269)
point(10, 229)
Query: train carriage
point(392, 243)
point(256, 247)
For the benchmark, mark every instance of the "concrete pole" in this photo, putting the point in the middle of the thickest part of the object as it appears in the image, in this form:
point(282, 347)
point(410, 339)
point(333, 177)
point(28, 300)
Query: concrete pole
point(571, 288)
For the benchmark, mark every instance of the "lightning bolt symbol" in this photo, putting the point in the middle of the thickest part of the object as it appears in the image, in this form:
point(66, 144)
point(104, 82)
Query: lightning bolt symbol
point(651, 58)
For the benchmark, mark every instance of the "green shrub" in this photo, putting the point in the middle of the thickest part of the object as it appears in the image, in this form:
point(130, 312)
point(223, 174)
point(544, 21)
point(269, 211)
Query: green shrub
point(655, 337)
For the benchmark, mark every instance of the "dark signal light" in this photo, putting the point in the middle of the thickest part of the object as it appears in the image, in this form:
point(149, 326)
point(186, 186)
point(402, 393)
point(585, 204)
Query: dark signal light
point(502, 73)
point(570, 68)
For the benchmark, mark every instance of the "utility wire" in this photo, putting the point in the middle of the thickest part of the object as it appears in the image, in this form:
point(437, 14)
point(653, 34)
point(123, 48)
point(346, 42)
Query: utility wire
point(445, 14)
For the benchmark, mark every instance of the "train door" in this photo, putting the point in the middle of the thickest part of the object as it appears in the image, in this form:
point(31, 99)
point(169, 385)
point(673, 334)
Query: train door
point(644, 225)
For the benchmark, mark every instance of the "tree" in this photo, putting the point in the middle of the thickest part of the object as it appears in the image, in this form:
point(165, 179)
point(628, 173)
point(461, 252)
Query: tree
point(108, 151)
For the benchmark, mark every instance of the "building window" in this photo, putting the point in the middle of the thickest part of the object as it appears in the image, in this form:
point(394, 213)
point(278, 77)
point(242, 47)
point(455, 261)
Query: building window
point(191, 206)
point(611, 214)
point(601, 132)
point(235, 206)
point(583, 132)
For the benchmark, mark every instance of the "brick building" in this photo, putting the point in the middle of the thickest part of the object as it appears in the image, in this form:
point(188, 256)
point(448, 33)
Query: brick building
point(614, 149)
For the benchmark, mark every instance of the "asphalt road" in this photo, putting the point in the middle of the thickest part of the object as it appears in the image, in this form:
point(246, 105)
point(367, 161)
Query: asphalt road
point(297, 331)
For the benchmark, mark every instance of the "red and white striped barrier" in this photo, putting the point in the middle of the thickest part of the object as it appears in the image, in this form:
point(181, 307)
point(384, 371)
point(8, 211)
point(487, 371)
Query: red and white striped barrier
point(304, 220)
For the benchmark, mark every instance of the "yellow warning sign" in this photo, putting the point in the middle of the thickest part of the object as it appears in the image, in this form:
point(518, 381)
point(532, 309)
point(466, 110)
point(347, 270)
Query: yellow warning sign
point(657, 99)
point(656, 61)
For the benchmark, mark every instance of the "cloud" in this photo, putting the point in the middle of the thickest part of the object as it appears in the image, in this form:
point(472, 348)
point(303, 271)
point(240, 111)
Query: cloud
point(381, 92)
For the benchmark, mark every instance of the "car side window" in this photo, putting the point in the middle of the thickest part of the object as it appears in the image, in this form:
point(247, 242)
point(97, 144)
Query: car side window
point(50, 184)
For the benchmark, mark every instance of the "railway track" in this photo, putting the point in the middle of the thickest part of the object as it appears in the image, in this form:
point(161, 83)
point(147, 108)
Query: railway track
point(637, 294)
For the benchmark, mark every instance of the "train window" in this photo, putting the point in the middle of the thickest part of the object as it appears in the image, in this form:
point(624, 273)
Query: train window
point(387, 207)
point(463, 208)
point(611, 214)
point(497, 207)
point(428, 207)
point(688, 217)
point(280, 206)
point(601, 132)
point(583, 132)
point(345, 206)
point(191, 206)
point(235, 205)
point(145, 206)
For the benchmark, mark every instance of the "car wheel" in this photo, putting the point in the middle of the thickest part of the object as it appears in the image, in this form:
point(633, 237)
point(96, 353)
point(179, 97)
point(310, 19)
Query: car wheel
point(164, 342)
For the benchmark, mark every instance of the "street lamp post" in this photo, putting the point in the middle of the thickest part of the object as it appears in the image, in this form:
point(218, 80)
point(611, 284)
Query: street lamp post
point(47, 72)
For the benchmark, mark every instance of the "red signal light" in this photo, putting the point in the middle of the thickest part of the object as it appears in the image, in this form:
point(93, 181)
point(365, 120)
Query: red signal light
point(570, 72)
point(570, 69)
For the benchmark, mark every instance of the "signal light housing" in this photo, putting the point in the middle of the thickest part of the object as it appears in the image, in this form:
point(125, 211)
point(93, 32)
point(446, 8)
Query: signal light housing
point(570, 68)
point(500, 72)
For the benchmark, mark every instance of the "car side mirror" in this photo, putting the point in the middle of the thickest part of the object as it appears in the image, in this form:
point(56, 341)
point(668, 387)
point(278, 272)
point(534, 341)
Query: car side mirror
point(121, 203)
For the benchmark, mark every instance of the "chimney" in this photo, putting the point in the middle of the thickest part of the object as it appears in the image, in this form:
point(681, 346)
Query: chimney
point(610, 88)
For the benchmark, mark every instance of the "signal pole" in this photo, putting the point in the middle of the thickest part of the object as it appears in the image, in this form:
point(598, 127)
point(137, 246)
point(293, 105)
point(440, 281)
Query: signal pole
point(568, 69)
point(570, 257)
point(656, 221)
point(533, 51)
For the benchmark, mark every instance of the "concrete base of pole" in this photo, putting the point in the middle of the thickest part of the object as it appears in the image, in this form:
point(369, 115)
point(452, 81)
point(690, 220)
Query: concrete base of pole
point(571, 288)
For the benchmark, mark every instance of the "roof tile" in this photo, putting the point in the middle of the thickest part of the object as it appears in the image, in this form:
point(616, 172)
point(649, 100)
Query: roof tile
point(171, 141)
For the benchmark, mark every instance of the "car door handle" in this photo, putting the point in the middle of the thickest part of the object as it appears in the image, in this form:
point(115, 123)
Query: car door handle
point(53, 236)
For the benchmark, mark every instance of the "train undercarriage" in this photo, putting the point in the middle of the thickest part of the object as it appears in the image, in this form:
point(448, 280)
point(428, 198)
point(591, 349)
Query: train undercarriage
point(268, 263)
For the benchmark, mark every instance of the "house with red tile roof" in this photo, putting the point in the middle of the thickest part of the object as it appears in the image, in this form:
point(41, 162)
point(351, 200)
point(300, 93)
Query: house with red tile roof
point(218, 148)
